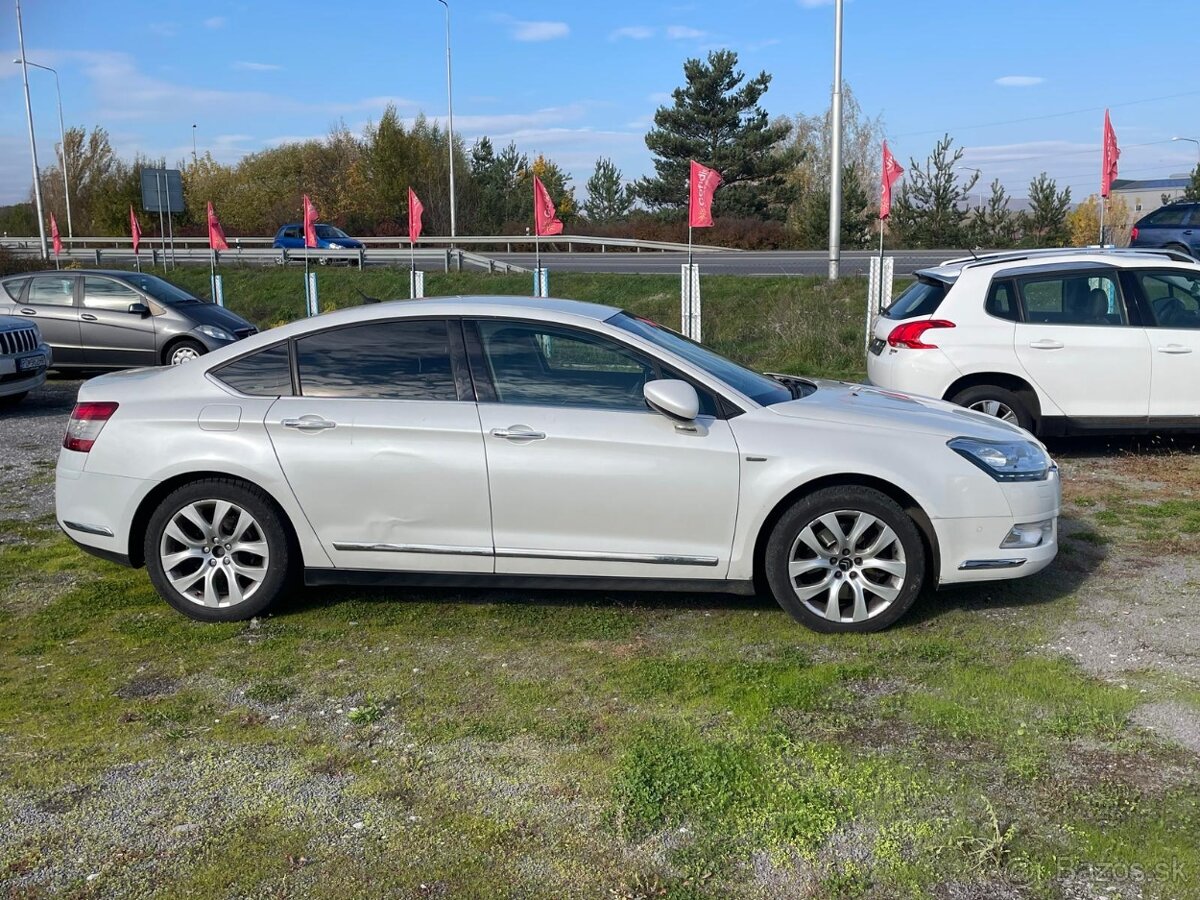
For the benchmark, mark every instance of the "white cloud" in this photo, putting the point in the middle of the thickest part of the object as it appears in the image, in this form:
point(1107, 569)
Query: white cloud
point(633, 32)
point(533, 31)
point(1019, 80)
point(813, 4)
point(215, 22)
point(684, 32)
point(256, 66)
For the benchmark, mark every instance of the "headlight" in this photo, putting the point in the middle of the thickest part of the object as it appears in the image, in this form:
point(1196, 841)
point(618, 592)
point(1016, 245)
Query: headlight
point(333, 246)
point(1004, 460)
point(217, 334)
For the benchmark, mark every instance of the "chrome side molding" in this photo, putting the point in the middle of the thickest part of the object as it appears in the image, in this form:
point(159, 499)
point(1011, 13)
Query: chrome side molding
point(89, 529)
point(972, 564)
point(440, 549)
point(654, 559)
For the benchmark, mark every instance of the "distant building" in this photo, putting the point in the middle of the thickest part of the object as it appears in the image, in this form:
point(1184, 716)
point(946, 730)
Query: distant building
point(1146, 196)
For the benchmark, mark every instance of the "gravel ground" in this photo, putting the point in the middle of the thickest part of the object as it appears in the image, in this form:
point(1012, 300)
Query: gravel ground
point(30, 435)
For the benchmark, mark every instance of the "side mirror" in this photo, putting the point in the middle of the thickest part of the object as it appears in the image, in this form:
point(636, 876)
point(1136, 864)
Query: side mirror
point(139, 309)
point(673, 398)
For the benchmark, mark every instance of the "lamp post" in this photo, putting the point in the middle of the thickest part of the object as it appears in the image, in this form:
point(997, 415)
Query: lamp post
point(193, 144)
point(37, 183)
point(835, 156)
point(1194, 141)
point(62, 134)
point(450, 115)
point(979, 181)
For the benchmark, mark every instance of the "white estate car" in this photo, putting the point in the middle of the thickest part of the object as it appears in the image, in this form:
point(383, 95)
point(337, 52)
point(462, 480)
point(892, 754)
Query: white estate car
point(24, 358)
point(1057, 341)
point(501, 441)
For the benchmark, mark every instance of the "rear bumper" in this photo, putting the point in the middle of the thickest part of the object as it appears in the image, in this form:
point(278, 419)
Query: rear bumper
point(96, 511)
point(925, 372)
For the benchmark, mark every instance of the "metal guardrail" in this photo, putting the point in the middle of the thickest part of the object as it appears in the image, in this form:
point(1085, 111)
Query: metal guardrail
point(525, 242)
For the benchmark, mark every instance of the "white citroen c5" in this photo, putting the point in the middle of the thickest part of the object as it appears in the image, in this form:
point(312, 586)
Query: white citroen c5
point(501, 441)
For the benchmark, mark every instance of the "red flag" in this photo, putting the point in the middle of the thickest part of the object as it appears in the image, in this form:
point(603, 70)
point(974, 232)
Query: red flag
point(1108, 163)
point(414, 216)
point(544, 219)
point(134, 229)
point(54, 235)
point(703, 182)
point(310, 223)
point(891, 171)
point(216, 234)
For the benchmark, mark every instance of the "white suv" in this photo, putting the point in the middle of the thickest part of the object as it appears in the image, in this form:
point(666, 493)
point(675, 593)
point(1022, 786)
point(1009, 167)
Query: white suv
point(1058, 341)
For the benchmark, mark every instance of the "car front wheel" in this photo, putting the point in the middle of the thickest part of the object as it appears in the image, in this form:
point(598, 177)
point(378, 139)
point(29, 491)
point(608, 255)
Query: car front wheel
point(184, 351)
point(846, 559)
point(217, 550)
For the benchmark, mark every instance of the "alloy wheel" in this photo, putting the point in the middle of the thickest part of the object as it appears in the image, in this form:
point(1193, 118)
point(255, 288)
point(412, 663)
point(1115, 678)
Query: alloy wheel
point(847, 566)
point(995, 408)
point(182, 355)
point(214, 553)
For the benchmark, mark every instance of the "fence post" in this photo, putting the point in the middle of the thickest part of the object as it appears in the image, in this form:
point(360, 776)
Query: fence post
point(362, 255)
point(689, 301)
point(314, 308)
point(98, 258)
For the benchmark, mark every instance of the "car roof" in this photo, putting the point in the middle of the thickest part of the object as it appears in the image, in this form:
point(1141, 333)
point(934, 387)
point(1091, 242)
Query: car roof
point(1075, 257)
point(113, 273)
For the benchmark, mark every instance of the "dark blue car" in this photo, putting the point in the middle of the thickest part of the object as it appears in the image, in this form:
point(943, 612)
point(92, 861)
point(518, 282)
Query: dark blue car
point(291, 237)
point(1176, 227)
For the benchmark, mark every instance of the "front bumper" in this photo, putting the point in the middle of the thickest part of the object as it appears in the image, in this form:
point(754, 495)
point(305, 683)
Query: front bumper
point(14, 380)
point(970, 547)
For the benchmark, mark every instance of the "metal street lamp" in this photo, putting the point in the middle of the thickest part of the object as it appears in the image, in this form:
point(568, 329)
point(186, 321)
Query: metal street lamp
point(37, 182)
point(1194, 141)
point(450, 112)
point(835, 156)
point(979, 181)
point(193, 145)
point(62, 134)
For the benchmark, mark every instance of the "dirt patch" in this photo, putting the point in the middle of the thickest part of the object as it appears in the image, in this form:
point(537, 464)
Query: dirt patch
point(147, 686)
point(1173, 721)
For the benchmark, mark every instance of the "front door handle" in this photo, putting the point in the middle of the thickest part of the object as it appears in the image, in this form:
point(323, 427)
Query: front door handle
point(88, 317)
point(518, 433)
point(1174, 349)
point(308, 423)
point(28, 312)
point(1046, 344)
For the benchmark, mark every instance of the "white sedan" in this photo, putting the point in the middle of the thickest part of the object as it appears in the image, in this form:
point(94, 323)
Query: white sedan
point(501, 441)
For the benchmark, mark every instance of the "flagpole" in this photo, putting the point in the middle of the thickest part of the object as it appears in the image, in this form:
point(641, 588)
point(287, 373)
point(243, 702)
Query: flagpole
point(1103, 203)
point(881, 221)
point(212, 269)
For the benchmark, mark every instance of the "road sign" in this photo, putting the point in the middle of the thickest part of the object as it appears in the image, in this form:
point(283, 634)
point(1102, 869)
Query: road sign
point(162, 191)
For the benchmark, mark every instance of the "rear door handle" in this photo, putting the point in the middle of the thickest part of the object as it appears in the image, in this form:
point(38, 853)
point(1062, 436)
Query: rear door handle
point(1175, 349)
point(1046, 344)
point(88, 317)
point(308, 423)
point(28, 312)
point(518, 433)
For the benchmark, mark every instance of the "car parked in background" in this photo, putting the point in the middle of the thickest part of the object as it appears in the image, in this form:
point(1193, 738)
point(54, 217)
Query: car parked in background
point(1056, 341)
point(24, 358)
point(115, 319)
point(502, 441)
point(1175, 227)
point(329, 237)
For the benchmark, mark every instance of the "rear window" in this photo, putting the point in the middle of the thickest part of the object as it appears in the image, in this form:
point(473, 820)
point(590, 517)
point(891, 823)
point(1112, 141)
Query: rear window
point(14, 286)
point(921, 299)
point(267, 373)
point(1167, 216)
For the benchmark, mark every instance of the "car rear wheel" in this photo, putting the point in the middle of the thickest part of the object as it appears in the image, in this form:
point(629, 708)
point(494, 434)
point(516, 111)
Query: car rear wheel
point(993, 400)
point(217, 550)
point(184, 351)
point(846, 559)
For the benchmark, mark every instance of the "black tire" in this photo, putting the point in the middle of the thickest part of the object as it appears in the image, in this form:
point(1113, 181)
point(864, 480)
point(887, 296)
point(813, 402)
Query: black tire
point(268, 525)
point(886, 596)
point(980, 395)
point(13, 399)
point(173, 352)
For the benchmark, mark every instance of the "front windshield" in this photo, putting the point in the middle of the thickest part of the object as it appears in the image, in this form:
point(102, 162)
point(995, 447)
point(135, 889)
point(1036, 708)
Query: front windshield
point(759, 388)
point(329, 233)
point(162, 291)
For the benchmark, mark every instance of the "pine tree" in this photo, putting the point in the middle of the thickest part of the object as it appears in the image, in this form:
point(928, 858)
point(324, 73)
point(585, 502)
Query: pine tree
point(932, 205)
point(716, 120)
point(1192, 191)
point(1046, 220)
point(608, 199)
point(995, 227)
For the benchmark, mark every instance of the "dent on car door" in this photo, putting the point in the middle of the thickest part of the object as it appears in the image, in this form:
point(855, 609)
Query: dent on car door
point(1170, 302)
point(50, 302)
point(111, 335)
point(1078, 344)
point(584, 478)
point(382, 447)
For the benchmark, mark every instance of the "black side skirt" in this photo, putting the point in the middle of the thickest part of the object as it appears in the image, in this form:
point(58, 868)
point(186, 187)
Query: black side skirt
point(373, 578)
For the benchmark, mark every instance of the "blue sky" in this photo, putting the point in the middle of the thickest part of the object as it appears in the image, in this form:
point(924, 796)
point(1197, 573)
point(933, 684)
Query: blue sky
point(1021, 84)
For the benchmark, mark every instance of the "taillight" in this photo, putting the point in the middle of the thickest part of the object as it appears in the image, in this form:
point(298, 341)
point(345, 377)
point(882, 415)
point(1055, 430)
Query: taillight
point(1133, 233)
point(909, 334)
point(86, 422)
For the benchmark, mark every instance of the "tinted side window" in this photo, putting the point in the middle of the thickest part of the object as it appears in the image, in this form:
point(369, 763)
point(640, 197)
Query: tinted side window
point(921, 299)
point(399, 360)
point(549, 366)
point(1173, 298)
point(1168, 216)
point(13, 288)
point(1073, 300)
point(52, 290)
point(104, 293)
point(267, 373)
point(1002, 302)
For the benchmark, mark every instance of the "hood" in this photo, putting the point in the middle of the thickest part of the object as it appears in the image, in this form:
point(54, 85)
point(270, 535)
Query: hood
point(872, 407)
point(12, 323)
point(210, 314)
